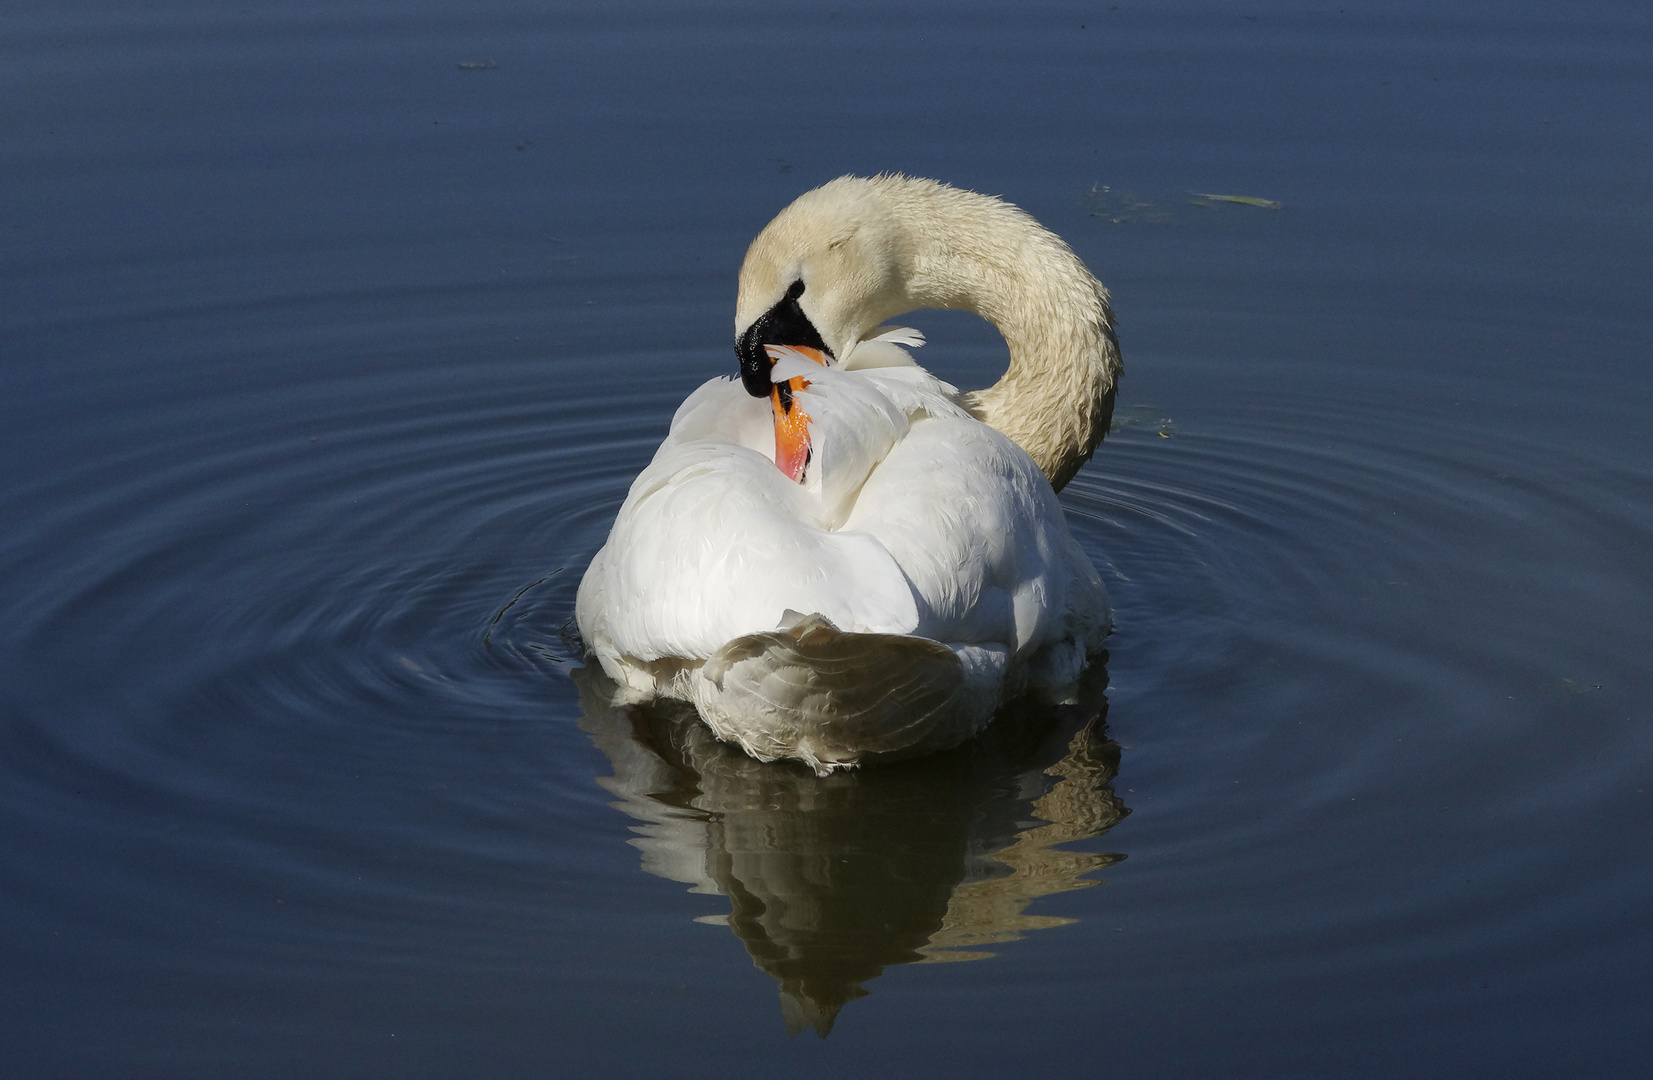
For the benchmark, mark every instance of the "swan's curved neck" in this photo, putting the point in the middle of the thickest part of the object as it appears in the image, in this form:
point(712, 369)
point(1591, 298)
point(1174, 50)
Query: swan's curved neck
point(980, 254)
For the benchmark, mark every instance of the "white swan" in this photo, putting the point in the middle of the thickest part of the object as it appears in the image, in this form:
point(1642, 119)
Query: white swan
point(840, 557)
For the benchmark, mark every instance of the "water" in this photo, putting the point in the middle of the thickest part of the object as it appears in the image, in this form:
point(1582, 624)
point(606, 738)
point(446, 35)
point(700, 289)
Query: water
point(333, 335)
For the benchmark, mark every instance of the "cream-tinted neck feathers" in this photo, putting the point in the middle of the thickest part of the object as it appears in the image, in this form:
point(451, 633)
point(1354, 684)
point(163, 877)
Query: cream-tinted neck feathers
point(868, 250)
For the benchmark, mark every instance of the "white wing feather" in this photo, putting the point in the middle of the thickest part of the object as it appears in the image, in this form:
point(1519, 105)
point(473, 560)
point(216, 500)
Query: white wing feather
point(916, 527)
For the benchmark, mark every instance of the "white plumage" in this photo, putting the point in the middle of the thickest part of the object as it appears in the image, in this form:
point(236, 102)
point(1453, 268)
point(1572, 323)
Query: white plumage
point(922, 570)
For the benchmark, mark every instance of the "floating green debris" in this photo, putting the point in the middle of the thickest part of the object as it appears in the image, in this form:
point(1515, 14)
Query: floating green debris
point(1143, 416)
point(1124, 208)
point(1567, 689)
point(1243, 200)
point(1120, 207)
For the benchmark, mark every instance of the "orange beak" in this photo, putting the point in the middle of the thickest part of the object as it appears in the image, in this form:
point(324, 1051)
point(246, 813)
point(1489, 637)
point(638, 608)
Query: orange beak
point(791, 422)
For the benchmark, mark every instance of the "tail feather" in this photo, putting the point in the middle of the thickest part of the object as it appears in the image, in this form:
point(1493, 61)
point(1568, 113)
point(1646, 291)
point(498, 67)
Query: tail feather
point(832, 699)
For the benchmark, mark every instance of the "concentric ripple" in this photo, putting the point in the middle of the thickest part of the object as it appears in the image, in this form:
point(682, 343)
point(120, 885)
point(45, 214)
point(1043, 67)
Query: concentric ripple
point(1373, 592)
point(322, 651)
point(284, 638)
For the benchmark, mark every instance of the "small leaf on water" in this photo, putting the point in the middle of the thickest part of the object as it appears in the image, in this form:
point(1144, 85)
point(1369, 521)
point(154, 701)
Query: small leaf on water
point(1243, 200)
point(1119, 207)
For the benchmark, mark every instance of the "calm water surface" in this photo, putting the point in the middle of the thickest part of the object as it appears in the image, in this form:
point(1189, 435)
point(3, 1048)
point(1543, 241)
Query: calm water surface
point(332, 335)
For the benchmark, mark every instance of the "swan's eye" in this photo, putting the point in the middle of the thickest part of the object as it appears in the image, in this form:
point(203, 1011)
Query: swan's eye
point(796, 290)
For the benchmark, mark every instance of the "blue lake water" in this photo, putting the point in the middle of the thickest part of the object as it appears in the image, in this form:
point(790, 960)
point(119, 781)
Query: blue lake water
point(331, 336)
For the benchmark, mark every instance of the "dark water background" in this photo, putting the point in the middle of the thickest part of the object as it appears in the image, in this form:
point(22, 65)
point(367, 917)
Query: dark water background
point(329, 329)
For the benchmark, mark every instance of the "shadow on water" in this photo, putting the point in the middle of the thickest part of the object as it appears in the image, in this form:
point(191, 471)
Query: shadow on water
point(832, 879)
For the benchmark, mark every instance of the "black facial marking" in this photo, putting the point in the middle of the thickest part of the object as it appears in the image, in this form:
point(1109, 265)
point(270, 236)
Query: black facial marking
point(783, 324)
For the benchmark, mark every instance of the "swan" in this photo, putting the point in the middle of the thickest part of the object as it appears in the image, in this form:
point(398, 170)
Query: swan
point(837, 557)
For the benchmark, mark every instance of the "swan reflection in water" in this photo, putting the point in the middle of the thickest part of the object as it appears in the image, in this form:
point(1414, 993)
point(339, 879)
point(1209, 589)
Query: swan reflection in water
point(833, 878)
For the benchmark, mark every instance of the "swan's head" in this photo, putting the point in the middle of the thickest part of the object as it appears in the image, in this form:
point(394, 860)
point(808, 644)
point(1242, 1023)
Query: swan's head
point(824, 273)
